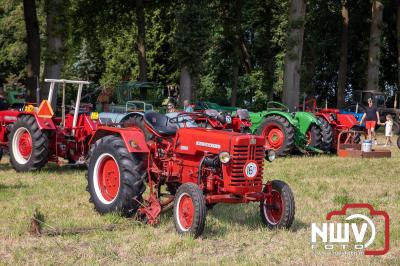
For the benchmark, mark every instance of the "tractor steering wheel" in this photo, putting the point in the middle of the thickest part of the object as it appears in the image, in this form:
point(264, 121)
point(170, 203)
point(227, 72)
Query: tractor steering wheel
point(184, 118)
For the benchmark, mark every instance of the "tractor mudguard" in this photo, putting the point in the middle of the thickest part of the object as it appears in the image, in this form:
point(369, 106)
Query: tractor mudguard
point(133, 138)
point(305, 120)
point(257, 118)
point(114, 118)
point(44, 123)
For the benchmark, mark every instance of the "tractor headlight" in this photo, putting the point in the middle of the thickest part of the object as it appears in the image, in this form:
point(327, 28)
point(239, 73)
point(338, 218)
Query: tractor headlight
point(270, 155)
point(224, 157)
point(228, 119)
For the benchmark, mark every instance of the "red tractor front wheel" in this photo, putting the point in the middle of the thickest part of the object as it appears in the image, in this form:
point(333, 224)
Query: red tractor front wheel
point(279, 134)
point(190, 210)
point(28, 145)
point(279, 212)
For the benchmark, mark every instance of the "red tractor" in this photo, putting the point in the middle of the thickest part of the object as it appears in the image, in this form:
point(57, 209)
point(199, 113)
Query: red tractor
point(333, 122)
point(38, 137)
point(198, 168)
point(239, 122)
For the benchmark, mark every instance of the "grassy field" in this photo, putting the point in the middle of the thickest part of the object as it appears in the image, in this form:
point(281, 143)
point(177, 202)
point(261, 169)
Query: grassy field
point(233, 234)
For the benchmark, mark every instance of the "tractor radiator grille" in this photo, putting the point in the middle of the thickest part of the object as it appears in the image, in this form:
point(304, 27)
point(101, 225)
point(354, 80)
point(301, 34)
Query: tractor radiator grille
point(241, 155)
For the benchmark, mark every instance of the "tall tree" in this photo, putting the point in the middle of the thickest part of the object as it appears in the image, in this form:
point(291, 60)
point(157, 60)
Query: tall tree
point(398, 47)
point(33, 45)
point(55, 32)
point(141, 36)
point(375, 45)
point(190, 44)
point(343, 57)
point(236, 39)
point(294, 43)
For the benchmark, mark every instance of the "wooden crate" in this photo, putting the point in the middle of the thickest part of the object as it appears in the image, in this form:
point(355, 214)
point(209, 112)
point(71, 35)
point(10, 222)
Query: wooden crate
point(354, 151)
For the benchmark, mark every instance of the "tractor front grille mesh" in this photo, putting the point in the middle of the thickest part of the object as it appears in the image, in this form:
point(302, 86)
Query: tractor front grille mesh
point(241, 155)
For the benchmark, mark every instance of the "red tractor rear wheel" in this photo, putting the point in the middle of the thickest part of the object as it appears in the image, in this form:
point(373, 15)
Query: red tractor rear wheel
point(313, 136)
point(280, 213)
point(28, 145)
point(115, 177)
point(190, 210)
point(278, 133)
point(326, 134)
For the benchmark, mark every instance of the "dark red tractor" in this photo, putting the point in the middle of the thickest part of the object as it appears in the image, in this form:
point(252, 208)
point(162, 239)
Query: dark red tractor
point(38, 136)
point(187, 167)
point(332, 123)
point(238, 122)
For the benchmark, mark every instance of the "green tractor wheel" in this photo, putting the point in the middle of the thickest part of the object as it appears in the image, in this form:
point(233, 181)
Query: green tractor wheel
point(314, 136)
point(279, 134)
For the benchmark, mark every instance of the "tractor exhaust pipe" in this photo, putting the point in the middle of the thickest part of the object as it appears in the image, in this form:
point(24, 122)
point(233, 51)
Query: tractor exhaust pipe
point(37, 92)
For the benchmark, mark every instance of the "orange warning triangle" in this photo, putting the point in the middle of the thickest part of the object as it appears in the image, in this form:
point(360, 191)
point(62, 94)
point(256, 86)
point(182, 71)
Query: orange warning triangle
point(45, 110)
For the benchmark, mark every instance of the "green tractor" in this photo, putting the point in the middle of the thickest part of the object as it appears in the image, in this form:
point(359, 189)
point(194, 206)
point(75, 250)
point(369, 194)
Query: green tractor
point(283, 131)
point(15, 96)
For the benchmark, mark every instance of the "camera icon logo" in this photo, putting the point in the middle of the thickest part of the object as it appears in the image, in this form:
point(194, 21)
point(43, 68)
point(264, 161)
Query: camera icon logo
point(356, 233)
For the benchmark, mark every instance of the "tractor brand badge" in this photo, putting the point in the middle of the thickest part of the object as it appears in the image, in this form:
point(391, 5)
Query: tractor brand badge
point(184, 148)
point(208, 145)
point(250, 170)
point(349, 232)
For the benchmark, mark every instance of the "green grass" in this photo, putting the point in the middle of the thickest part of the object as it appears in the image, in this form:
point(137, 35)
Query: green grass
point(234, 234)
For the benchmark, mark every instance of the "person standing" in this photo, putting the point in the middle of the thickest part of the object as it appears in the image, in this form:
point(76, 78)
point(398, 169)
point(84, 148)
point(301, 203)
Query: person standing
point(371, 117)
point(388, 130)
point(187, 107)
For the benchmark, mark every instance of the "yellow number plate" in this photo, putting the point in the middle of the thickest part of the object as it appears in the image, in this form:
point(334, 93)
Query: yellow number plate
point(94, 116)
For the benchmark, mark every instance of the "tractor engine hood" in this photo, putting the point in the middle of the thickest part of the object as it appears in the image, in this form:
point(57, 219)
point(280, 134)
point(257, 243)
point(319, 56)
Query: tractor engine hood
point(200, 140)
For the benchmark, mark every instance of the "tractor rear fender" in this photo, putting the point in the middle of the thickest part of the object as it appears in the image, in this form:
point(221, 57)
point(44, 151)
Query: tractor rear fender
point(305, 120)
point(259, 117)
point(129, 115)
point(133, 138)
point(44, 123)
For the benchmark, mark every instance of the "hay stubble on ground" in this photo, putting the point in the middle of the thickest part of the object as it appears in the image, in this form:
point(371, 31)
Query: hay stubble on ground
point(234, 233)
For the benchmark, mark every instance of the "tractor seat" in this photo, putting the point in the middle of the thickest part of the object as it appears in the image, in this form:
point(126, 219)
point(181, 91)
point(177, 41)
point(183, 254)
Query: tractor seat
point(159, 123)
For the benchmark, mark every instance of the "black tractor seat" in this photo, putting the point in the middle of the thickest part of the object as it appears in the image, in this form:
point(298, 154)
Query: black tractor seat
point(159, 123)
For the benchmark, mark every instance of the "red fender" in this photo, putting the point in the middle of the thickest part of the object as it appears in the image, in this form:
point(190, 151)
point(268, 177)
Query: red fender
point(43, 123)
point(133, 137)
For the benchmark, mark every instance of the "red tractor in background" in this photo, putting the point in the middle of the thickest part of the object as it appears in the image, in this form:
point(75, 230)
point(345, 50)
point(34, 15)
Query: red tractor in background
point(198, 167)
point(333, 122)
point(37, 137)
point(239, 122)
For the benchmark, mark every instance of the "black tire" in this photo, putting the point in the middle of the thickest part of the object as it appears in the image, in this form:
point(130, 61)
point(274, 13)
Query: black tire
point(287, 129)
point(1, 153)
point(192, 192)
point(326, 135)
point(398, 142)
point(315, 136)
point(357, 137)
point(39, 145)
point(287, 211)
point(136, 120)
point(130, 177)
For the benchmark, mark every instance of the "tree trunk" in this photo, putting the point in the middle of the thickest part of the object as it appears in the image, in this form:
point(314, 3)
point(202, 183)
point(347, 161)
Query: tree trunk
point(268, 67)
point(342, 78)
point(185, 85)
point(140, 42)
point(235, 83)
point(398, 46)
point(291, 79)
point(55, 30)
point(375, 46)
point(33, 48)
point(238, 50)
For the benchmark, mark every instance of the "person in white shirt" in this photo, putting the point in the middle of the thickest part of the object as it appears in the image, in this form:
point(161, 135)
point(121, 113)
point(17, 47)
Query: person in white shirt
point(388, 130)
